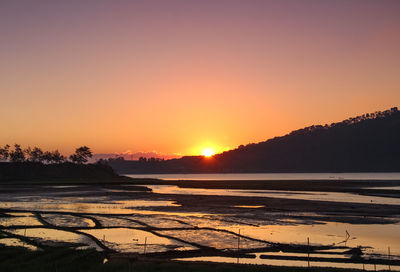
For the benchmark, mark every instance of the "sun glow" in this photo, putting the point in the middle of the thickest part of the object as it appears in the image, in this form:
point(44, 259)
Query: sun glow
point(208, 152)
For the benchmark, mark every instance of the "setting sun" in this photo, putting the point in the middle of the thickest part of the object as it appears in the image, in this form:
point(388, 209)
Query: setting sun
point(208, 152)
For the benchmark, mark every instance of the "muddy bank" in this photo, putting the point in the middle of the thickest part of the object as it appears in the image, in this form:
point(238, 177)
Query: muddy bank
point(66, 259)
point(130, 218)
point(268, 208)
point(351, 186)
point(265, 207)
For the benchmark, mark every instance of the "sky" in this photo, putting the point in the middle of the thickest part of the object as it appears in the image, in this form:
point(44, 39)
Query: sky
point(175, 77)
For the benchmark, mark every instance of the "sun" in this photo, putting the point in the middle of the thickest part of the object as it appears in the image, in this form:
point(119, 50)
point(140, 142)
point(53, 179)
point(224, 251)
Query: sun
point(208, 152)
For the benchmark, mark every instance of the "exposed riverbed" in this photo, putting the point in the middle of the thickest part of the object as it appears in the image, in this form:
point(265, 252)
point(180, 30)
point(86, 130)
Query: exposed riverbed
point(207, 224)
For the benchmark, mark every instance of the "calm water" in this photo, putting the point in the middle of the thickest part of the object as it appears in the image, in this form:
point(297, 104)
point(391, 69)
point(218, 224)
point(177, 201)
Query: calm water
point(305, 195)
point(274, 176)
point(123, 218)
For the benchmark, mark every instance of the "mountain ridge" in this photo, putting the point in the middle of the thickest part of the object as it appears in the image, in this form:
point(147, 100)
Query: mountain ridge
point(365, 143)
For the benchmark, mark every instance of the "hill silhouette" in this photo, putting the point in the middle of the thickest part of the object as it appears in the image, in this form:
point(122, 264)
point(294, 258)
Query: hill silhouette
point(366, 143)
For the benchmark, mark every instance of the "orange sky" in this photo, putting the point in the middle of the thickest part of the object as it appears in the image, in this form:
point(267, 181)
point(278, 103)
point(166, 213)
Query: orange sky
point(179, 76)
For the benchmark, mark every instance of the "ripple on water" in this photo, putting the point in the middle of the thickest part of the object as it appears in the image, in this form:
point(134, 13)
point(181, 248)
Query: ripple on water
point(51, 237)
point(132, 240)
point(65, 220)
point(212, 238)
point(20, 219)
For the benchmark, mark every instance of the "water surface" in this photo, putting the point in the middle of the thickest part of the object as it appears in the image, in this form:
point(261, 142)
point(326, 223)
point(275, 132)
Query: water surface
point(273, 176)
point(303, 195)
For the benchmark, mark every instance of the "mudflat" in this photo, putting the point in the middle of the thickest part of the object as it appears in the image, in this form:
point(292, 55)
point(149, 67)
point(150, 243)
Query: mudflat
point(159, 219)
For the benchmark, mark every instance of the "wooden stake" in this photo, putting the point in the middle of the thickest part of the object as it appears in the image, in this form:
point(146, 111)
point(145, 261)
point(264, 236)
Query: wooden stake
point(308, 252)
point(145, 245)
point(238, 246)
point(347, 238)
point(389, 257)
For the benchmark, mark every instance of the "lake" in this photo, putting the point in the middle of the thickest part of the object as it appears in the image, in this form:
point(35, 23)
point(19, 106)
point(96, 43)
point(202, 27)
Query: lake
point(273, 176)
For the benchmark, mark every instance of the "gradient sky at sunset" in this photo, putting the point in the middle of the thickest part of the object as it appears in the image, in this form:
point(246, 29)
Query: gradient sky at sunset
point(179, 76)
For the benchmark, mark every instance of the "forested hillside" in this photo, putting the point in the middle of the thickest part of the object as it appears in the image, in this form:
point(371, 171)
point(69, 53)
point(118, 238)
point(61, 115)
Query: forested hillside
point(370, 142)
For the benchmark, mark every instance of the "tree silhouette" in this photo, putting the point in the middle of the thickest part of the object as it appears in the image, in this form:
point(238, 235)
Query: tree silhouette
point(81, 155)
point(53, 157)
point(35, 154)
point(56, 157)
point(17, 155)
point(4, 152)
point(47, 157)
